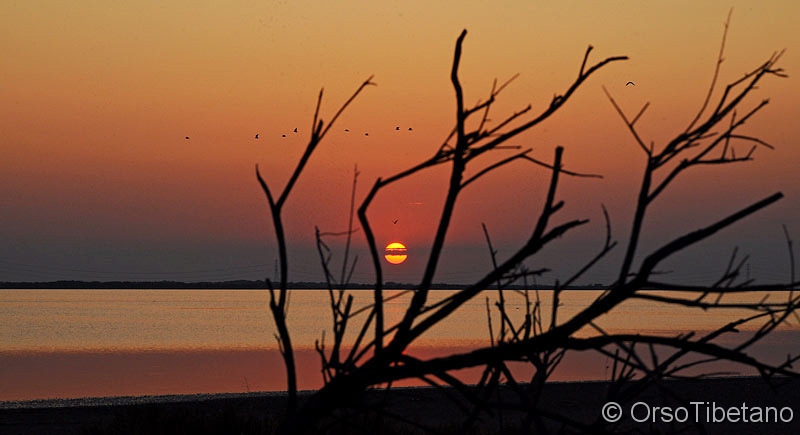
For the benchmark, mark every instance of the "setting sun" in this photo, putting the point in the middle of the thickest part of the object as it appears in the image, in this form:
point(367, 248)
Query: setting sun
point(396, 253)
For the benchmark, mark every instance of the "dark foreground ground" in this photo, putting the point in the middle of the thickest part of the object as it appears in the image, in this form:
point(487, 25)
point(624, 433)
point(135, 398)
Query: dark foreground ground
point(583, 402)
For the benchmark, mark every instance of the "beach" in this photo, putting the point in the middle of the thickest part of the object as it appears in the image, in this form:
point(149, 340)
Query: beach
point(709, 403)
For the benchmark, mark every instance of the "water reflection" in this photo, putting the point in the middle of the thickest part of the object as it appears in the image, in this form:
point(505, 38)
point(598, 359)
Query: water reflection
point(76, 343)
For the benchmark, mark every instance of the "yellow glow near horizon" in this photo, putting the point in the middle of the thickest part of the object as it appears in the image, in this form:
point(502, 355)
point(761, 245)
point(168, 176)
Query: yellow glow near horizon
point(396, 253)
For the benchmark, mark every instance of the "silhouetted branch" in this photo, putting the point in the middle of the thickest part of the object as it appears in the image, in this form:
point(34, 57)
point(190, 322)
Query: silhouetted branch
point(562, 170)
point(630, 124)
point(279, 304)
point(317, 134)
point(791, 256)
point(494, 166)
point(513, 352)
point(638, 359)
point(716, 73)
point(680, 243)
point(608, 245)
point(691, 139)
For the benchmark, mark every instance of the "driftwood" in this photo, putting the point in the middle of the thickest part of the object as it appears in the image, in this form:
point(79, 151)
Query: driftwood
point(377, 357)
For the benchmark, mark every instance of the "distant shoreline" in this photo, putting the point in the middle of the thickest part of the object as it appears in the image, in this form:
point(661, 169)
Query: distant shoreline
point(236, 285)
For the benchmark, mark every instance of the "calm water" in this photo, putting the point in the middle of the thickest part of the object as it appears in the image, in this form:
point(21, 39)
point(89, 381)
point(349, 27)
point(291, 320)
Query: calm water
point(76, 343)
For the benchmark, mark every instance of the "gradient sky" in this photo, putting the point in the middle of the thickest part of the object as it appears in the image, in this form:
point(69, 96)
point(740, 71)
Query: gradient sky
point(97, 181)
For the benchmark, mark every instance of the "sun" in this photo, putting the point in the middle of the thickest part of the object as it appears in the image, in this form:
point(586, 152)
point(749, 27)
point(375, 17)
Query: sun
point(396, 253)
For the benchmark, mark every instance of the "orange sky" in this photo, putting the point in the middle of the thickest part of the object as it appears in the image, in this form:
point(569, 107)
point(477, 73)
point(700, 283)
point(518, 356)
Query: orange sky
point(98, 182)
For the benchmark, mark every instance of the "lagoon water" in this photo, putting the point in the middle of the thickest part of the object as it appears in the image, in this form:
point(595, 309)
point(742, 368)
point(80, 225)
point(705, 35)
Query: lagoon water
point(81, 343)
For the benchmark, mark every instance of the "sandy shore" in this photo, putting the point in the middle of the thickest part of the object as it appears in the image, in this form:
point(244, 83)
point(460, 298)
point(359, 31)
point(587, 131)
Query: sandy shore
point(581, 401)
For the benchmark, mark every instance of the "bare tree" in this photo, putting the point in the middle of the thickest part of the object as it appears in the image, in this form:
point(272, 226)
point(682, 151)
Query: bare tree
point(540, 337)
point(279, 303)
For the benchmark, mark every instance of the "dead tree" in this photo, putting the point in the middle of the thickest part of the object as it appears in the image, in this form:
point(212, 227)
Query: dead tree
point(279, 302)
point(710, 139)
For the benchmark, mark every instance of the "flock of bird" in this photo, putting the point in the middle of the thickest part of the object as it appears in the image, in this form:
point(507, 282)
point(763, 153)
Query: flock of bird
point(347, 130)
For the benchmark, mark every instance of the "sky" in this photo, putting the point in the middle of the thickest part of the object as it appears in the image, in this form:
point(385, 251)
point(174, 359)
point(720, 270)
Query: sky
point(97, 180)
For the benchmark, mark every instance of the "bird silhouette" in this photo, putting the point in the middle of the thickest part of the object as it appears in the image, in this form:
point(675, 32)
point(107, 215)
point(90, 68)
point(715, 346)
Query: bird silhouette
point(366, 134)
point(347, 130)
point(397, 128)
point(410, 129)
point(256, 135)
point(394, 221)
point(187, 138)
point(630, 83)
point(283, 135)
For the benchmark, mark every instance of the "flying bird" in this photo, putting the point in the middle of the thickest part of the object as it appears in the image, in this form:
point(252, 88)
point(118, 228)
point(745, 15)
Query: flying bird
point(397, 128)
point(347, 129)
point(394, 221)
point(630, 83)
point(187, 138)
point(366, 134)
point(283, 135)
point(409, 128)
point(295, 129)
point(256, 135)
